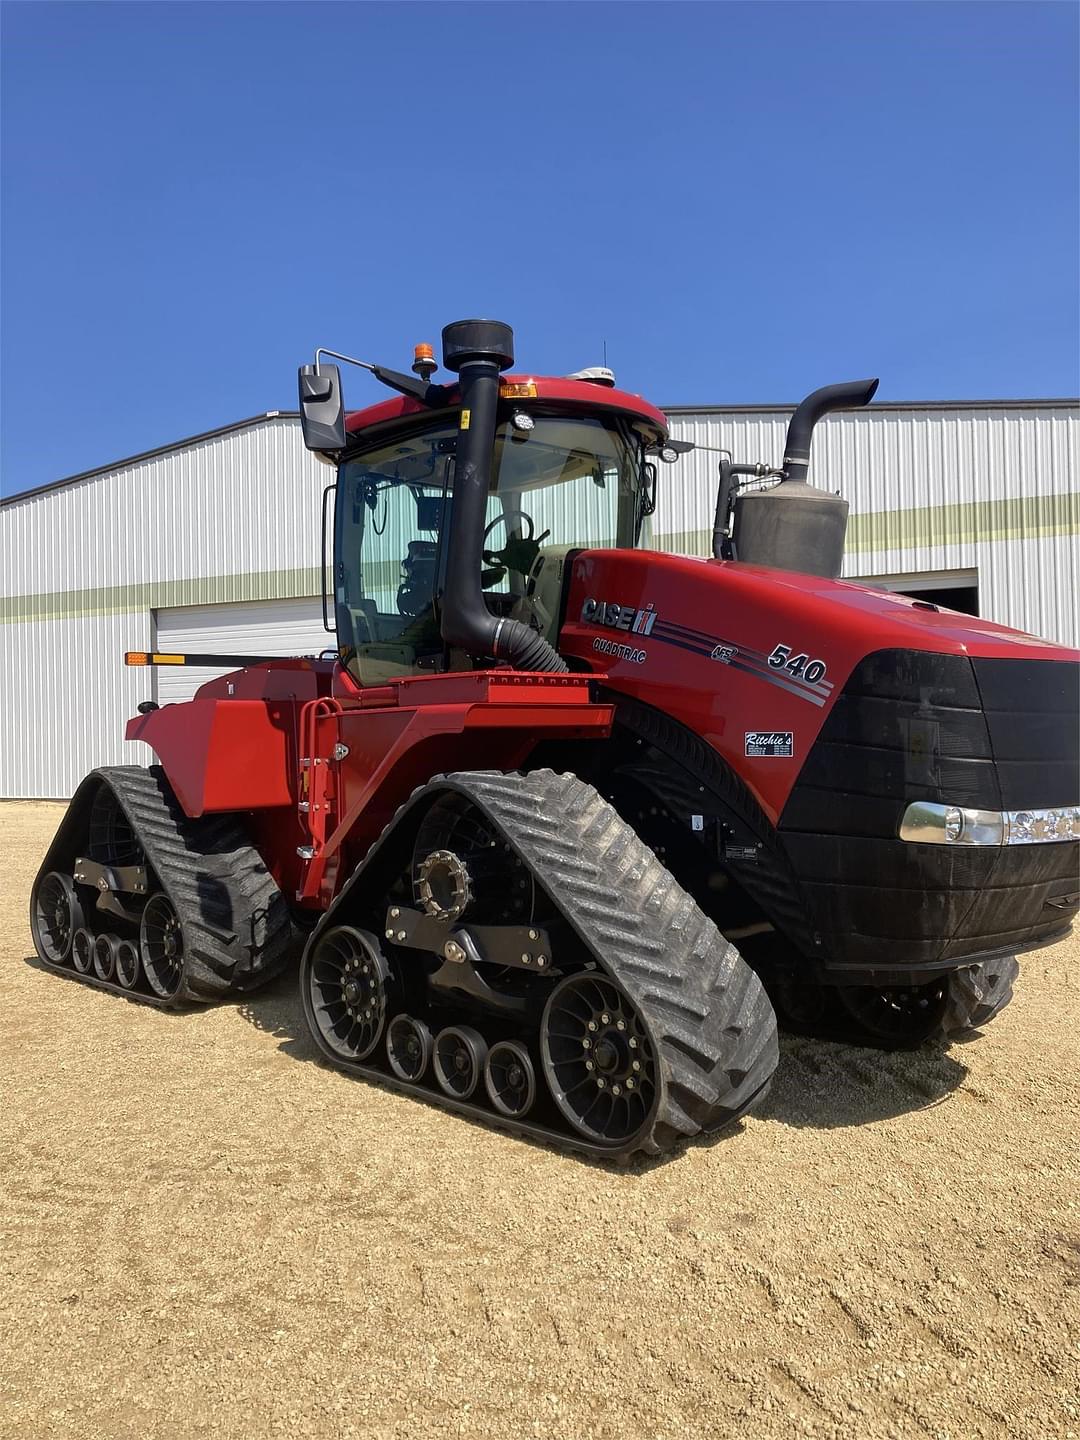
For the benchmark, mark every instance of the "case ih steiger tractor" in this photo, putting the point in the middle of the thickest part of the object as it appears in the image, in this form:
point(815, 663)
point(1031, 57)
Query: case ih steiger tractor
point(549, 779)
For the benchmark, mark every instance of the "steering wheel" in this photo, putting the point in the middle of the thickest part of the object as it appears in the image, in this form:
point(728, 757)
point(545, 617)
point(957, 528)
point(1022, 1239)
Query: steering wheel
point(504, 518)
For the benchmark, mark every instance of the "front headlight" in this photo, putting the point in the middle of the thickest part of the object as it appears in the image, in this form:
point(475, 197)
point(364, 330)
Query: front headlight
point(925, 823)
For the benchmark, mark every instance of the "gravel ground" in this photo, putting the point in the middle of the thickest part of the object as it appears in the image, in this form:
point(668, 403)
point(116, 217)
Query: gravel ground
point(203, 1231)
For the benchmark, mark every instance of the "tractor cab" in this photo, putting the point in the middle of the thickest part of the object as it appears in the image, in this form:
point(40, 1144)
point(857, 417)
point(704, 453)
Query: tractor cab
point(562, 465)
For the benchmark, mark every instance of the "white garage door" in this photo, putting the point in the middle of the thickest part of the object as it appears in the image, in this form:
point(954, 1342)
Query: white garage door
point(263, 627)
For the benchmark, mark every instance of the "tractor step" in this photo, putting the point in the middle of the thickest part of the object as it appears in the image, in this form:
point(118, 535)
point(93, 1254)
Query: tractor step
point(624, 937)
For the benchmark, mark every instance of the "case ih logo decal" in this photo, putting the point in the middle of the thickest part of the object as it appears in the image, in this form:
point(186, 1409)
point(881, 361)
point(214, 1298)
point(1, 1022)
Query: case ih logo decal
point(797, 674)
point(777, 743)
point(618, 617)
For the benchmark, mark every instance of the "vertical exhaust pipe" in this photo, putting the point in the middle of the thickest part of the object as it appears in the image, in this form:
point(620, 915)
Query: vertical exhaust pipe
point(478, 351)
point(796, 526)
point(809, 412)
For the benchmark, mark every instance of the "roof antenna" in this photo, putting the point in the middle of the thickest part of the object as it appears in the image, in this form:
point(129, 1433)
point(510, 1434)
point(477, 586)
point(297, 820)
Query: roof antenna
point(605, 355)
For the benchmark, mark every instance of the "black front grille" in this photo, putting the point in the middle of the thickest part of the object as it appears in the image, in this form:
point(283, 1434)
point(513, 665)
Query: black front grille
point(1031, 709)
point(916, 726)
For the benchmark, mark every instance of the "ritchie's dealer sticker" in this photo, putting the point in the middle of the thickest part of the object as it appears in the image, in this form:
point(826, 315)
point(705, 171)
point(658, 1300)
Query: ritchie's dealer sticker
point(777, 743)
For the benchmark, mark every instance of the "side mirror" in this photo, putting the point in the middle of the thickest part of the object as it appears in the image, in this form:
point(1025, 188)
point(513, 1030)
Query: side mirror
point(322, 410)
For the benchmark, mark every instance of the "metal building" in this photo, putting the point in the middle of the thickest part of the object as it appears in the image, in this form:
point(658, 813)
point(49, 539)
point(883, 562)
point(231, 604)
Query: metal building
point(212, 545)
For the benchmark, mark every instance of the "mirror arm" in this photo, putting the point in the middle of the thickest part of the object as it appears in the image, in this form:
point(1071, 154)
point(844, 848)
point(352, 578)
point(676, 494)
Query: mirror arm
point(433, 396)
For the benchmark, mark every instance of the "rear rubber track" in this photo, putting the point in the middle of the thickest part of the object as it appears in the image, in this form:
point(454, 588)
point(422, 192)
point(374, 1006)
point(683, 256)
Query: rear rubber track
point(236, 926)
point(710, 1021)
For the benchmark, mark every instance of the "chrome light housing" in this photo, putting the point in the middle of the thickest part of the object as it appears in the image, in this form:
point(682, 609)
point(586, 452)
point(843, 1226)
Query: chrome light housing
point(928, 823)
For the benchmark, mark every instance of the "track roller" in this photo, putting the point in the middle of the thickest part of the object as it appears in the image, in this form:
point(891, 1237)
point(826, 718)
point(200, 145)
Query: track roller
point(82, 950)
point(408, 1047)
point(460, 1053)
point(346, 991)
point(57, 914)
point(510, 1079)
point(127, 964)
point(105, 947)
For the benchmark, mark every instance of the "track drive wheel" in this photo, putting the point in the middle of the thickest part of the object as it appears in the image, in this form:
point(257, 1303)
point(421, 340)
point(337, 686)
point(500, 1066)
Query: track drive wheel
point(346, 989)
point(55, 915)
point(598, 1059)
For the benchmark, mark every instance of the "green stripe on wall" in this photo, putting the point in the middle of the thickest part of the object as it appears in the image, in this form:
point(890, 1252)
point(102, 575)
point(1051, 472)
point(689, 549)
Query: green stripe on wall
point(162, 594)
point(1029, 517)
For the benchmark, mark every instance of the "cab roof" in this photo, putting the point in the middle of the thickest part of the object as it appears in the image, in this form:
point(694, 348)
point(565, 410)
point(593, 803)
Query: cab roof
point(585, 395)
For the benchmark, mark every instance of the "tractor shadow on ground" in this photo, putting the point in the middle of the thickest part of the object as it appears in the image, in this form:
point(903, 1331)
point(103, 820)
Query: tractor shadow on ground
point(825, 1085)
point(819, 1084)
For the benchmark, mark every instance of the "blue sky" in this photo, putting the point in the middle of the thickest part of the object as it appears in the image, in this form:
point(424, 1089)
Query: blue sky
point(743, 200)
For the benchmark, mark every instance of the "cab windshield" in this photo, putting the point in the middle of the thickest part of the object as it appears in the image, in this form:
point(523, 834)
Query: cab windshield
point(564, 484)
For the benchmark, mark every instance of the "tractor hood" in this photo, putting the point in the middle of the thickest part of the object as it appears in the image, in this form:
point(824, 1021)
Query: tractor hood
point(917, 769)
point(754, 660)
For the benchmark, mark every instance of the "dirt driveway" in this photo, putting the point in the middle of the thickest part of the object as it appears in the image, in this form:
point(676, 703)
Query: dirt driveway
point(204, 1232)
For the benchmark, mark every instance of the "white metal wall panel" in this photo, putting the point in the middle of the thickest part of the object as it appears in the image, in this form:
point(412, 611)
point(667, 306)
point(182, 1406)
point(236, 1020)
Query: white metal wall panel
point(269, 627)
point(927, 489)
point(885, 462)
point(1036, 583)
point(65, 696)
point(244, 502)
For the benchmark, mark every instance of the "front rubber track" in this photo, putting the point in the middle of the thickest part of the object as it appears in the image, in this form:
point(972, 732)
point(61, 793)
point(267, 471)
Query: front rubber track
point(236, 926)
point(711, 1024)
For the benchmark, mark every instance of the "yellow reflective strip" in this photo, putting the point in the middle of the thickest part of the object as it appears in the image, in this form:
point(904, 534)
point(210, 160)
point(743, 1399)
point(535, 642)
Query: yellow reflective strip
point(169, 660)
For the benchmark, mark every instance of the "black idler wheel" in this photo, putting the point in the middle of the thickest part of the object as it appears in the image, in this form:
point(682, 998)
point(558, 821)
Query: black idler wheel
point(510, 1079)
point(82, 950)
point(408, 1047)
point(348, 991)
point(598, 1059)
point(161, 944)
point(105, 947)
point(460, 1053)
point(127, 964)
point(895, 1018)
point(55, 916)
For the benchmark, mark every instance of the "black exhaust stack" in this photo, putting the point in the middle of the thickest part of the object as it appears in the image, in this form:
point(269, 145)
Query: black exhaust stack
point(794, 526)
point(479, 350)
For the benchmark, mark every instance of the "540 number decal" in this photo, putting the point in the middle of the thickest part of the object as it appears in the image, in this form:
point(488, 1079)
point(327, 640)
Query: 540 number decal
point(800, 665)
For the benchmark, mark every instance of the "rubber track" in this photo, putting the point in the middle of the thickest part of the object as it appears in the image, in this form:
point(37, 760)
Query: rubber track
point(978, 994)
point(712, 1025)
point(236, 926)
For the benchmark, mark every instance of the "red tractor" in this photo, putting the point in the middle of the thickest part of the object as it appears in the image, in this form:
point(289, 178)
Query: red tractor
point(521, 816)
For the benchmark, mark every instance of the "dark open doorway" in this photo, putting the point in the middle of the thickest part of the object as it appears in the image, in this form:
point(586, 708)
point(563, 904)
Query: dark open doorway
point(964, 598)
